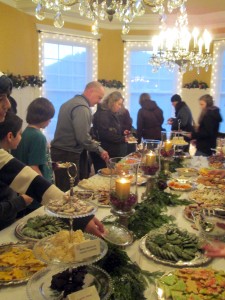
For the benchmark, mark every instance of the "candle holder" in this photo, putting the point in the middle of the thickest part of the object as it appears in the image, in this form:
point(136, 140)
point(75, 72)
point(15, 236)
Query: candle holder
point(150, 163)
point(167, 147)
point(167, 151)
point(123, 187)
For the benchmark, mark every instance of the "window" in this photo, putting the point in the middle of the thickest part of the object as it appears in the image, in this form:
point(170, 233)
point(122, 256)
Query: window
point(218, 79)
point(139, 78)
point(68, 63)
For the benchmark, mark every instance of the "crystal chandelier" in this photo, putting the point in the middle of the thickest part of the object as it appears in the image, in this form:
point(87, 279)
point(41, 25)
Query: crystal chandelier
point(177, 46)
point(99, 10)
point(159, 7)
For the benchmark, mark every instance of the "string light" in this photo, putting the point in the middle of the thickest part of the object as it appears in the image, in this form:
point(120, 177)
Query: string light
point(128, 46)
point(219, 46)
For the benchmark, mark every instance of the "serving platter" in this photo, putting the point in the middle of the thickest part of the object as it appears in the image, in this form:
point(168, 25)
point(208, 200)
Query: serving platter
point(104, 172)
point(59, 249)
point(208, 196)
point(194, 209)
point(187, 172)
point(64, 208)
point(185, 284)
point(95, 183)
point(101, 198)
point(212, 181)
point(118, 235)
point(17, 263)
point(180, 185)
point(38, 287)
point(168, 253)
point(39, 227)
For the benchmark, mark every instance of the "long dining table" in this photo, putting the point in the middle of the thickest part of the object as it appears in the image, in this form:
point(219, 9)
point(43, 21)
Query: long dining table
point(18, 292)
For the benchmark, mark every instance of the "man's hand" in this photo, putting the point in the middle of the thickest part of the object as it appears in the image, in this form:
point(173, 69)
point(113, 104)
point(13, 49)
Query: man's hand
point(95, 227)
point(105, 155)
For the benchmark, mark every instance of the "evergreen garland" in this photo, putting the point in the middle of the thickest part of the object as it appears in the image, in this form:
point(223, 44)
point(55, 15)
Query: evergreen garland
point(111, 83)
point(20, 81)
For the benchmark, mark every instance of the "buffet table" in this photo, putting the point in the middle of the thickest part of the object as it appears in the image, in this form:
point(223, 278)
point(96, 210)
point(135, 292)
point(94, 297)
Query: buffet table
point(18, 292)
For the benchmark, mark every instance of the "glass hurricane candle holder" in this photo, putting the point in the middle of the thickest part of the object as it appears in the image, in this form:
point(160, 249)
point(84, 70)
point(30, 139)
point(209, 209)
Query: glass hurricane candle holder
point(123, 186)
point(167, 148)
point(150, 163)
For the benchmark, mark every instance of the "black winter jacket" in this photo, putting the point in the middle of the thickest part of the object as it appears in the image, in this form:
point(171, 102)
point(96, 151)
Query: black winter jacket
point(207, 132)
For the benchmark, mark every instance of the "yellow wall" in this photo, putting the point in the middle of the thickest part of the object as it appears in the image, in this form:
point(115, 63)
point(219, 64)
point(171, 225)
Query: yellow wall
point(19, 47)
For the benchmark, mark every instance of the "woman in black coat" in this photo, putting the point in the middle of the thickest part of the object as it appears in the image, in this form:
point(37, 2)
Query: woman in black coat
point(207, 131)
point(107, 129)
point(149, 120)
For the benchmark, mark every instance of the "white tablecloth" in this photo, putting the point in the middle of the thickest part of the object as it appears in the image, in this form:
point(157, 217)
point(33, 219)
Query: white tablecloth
point(18, 292)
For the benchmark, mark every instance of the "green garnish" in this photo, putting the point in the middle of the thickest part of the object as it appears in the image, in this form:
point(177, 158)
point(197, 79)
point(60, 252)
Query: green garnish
point(129, 280)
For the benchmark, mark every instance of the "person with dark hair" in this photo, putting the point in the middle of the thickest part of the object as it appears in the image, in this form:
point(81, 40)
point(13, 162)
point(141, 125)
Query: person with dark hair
point(149, 120)
point(23, 180)
point(205, 134)
point(10, 136)
point(183, 117)
point(33, 149)
point(10, 131)
point(5, 90)
point(72, 135)
point(107, 129)
point(13, 103)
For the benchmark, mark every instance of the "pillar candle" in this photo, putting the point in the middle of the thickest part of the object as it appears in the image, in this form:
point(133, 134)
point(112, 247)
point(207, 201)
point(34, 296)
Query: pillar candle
point(123, 188)
point(150, 159)
point(168, 145)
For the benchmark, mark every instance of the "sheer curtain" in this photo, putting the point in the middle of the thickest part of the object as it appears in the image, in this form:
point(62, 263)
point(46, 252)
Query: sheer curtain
point(139, 78)
point(68, 63)
point(218, 78)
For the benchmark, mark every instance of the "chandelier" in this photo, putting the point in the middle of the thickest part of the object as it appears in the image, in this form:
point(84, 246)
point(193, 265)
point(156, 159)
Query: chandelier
point(99, 10)
point(177, 46)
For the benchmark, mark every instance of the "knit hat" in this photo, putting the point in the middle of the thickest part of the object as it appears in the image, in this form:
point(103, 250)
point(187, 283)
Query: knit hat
point(6, 84)
point(176, 98)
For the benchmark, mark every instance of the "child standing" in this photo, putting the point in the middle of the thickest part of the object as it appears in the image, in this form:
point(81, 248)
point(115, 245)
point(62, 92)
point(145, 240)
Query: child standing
point(33, 149)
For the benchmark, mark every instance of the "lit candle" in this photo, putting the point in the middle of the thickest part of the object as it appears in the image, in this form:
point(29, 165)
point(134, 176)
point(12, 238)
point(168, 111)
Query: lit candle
point(150, 159)
point(207, 40)
point(200, 44)
point(195, 34)
point(168, 145)
point(123, 188)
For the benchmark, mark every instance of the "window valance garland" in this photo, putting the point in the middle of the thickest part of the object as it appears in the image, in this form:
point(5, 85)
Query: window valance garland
point(22, 81)
point(111, 83)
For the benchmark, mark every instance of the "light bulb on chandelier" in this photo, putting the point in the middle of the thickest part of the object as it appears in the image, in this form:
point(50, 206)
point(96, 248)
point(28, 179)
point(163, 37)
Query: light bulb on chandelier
point(178, 46)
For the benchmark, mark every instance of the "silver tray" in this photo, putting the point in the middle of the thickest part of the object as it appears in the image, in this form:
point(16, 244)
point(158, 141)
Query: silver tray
point(20, 235)
point(200, 258)
point(42, 246)
point(6, 247)
point(65, 215)
point(192, 186)
point(118, 235)
point(38, 287)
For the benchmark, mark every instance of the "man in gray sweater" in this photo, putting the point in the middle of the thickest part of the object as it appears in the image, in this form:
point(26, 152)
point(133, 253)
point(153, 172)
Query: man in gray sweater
point(72, 133)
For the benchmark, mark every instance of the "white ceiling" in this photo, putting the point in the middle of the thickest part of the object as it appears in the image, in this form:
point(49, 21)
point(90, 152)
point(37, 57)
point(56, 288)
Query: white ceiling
point(201, 13)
